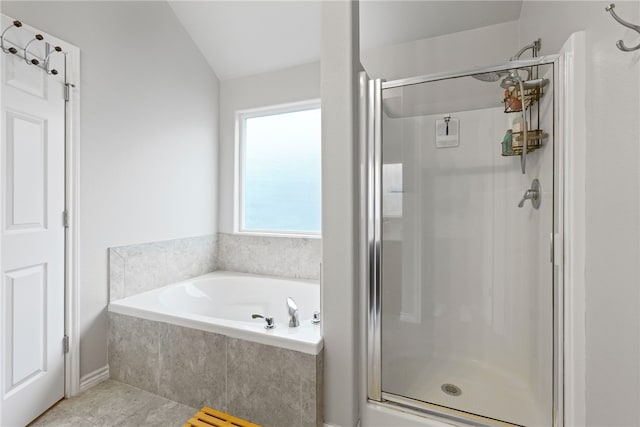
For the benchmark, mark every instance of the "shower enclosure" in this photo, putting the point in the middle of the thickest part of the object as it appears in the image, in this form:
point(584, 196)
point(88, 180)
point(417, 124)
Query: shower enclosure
point(464, 292)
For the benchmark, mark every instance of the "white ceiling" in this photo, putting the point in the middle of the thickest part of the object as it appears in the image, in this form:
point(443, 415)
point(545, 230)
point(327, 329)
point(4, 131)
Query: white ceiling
point(240, 38)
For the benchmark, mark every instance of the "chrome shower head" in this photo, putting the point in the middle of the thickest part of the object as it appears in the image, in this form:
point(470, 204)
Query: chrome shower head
point(488, 77)
point(513, 79)
point(512, 75)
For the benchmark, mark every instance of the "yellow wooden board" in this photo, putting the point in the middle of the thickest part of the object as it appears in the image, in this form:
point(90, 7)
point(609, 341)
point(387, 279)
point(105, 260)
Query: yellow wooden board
point(209, 417)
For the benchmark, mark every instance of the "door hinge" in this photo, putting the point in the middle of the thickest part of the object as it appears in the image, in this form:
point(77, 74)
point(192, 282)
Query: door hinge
point(67, 91)
point(65, 344)
point(65, 219)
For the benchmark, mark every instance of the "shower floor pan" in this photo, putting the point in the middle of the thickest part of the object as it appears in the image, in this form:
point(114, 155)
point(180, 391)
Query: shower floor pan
point(464, 386)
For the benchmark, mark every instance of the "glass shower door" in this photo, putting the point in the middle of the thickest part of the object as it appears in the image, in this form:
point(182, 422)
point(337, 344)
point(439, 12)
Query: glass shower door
point(466, 280)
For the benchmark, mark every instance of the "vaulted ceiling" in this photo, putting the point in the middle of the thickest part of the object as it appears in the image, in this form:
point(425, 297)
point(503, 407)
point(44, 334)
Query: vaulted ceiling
point(240, 38)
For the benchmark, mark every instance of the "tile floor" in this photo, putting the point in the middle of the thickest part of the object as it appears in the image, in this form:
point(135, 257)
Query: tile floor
point(112, 403)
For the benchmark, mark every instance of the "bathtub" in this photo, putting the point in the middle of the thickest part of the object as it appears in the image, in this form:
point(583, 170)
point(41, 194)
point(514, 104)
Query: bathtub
point(222, 302)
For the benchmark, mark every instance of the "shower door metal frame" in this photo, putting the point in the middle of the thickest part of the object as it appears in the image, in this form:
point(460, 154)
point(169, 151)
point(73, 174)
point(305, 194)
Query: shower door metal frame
point(373, 253)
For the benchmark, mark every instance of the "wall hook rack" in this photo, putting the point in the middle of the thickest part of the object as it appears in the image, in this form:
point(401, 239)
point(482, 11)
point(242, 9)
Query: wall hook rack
point(15, 24)
point(23, 52)
point(635, 28)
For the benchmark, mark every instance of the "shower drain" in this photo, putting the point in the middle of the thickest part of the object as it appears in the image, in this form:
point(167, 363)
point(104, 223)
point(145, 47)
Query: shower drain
point(451, 390)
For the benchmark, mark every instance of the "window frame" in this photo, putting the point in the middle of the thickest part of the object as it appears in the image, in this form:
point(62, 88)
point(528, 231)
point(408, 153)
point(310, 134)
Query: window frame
point(241, 117)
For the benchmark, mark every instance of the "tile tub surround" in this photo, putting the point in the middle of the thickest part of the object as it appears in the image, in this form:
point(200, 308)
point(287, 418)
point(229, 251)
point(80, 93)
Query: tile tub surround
point(267, 385)
point(138, 268)
point(295, 257)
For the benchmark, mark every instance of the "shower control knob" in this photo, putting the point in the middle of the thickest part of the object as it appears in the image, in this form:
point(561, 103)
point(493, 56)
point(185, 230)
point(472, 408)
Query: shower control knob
point(534, 194)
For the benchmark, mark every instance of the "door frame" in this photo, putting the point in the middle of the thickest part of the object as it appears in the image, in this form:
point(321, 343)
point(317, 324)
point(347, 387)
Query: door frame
point(571, 249)
point(72, 205)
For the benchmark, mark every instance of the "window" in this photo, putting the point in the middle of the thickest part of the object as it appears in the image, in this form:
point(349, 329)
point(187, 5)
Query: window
point(280, 170)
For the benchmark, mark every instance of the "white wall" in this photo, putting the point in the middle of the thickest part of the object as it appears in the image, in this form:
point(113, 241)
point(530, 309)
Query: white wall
point(612, 198)
point(458, 51)
point(300, 83)
point(340, 181)
point(148, 138)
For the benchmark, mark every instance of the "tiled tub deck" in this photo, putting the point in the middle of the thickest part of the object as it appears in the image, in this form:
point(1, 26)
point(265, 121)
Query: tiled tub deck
point(267, 385)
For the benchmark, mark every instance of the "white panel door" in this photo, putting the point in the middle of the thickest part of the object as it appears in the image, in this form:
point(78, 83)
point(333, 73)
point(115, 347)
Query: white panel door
point(32, 178)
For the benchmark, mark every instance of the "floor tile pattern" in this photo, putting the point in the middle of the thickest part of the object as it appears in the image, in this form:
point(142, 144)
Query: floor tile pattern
point(112, 403)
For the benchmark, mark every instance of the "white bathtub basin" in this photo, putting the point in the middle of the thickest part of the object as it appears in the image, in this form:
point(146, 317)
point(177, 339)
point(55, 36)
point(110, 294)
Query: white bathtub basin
point(223, 302)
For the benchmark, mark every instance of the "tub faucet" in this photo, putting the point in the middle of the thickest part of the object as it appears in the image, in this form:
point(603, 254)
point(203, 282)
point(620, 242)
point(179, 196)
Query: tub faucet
point(294, 320)
point(269, 322)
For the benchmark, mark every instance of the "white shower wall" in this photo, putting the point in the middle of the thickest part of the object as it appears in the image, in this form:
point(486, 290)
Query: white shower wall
point(464, 50)
point(475, 297)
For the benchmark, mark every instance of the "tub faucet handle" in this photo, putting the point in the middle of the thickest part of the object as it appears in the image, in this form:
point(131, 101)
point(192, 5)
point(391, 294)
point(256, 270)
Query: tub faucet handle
point(270, 323)
point(294, 319)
